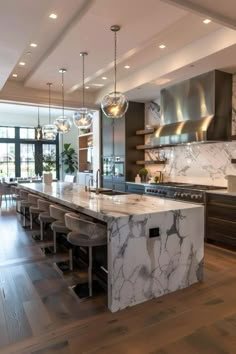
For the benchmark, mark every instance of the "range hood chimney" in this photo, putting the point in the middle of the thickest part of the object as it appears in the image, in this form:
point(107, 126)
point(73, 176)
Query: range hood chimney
point(196, 110)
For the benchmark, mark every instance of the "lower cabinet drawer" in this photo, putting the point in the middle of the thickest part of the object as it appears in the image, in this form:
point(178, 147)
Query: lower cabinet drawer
point(225, 212)
point(221, 230)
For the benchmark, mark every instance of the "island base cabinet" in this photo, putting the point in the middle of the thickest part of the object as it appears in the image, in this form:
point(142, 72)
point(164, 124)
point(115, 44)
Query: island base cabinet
point(221, 220)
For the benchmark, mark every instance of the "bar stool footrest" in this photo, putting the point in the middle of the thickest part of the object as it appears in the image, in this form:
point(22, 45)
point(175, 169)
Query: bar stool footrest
point(82, 289)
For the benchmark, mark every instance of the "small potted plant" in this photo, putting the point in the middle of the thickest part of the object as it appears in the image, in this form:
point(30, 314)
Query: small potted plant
point(143, 172)
point(69, 159)
point(49, 165)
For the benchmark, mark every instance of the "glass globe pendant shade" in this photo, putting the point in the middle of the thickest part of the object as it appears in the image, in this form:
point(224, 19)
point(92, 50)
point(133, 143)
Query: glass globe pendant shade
point(83, 118)
point(49, 132)
point(114, 105)
point(63, 124)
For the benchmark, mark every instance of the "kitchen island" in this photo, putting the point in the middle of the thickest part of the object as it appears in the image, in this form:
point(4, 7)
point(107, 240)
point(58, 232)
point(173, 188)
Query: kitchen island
point(155, 246)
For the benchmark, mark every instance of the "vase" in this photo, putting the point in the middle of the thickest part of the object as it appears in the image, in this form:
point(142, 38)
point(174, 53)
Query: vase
point(143, 178)
point(47, 178)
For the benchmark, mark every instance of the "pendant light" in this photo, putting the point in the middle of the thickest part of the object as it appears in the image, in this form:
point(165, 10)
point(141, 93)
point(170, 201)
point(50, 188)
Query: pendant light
point(84, 116)
point(38, 130)
point(115, 104)
point(49, 130)
point(62, 123)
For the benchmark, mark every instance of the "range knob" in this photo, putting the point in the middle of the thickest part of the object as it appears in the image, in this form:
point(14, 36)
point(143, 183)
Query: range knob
point(175, 194)
point(181, 195)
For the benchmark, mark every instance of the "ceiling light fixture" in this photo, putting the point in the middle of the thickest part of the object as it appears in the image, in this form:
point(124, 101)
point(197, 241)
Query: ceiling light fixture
point(206, 21)
point(162, 46)
point(38, 130)
point(22, 63)
point(104, 78)
point(127, 66)
point(49, 130)
point(87, 87)
point(98, 85)
point(84, 116)
point(33, 45)
point(63, 123)
point(14, 75)
point(53, 16)
point(115, 104)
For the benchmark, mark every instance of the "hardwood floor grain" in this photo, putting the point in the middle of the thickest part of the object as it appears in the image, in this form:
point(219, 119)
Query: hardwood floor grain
point(40, 314)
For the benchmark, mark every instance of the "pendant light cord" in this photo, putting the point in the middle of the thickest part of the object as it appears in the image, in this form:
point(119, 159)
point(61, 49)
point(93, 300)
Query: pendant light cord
point(62, 87)
point(83, 76)
point(115, 50)
point(49, 102)
point(38, 118)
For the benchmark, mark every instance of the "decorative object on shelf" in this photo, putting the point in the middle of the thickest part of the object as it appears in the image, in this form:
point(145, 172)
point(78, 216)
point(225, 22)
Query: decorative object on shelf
point(49, 165)
point(49, 130)
point(115, 104)
point(146, 131)
point(137, 179)
point(38, 130)
point(143, 172)
point(83, 117)
point(63, 123)
point(69, 159)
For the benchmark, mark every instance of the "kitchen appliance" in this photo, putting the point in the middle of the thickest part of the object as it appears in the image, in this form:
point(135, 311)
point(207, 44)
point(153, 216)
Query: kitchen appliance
point(196, 110)
point(187, 192)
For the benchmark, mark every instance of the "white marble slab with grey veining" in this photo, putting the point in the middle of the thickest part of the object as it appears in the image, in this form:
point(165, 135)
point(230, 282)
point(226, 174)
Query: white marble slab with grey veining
point(139, 267)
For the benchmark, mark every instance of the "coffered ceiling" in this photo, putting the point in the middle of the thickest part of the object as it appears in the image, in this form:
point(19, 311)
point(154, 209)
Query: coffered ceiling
point(192, 47)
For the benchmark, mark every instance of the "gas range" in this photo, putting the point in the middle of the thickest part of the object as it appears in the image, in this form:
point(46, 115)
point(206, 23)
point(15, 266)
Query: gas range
point(180, 191)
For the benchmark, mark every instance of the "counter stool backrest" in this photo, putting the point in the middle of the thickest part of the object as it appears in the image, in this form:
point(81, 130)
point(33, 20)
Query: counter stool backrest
point(24, 194)
point(43, 205)
point(57, 212)
point(33, 199)
point(90, 229)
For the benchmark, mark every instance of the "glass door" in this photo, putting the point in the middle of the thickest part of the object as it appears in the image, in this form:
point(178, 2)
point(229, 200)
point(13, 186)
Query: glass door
point(27, 160)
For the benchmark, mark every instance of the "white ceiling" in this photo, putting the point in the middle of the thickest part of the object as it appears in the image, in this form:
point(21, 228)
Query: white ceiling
point(84, 25)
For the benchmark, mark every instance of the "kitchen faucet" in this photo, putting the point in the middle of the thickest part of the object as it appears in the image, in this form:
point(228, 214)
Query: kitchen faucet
point(87, 187)
point(98, 174)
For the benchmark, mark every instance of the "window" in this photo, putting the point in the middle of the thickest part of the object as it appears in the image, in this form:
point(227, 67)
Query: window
point(27, 160)
point(7, 160)
point(23, 156)
point(27, 133)
point(7, 132)
point(49, 158)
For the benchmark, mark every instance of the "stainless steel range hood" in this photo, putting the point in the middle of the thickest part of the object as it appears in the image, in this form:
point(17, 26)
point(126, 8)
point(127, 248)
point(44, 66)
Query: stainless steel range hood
point(196, 110)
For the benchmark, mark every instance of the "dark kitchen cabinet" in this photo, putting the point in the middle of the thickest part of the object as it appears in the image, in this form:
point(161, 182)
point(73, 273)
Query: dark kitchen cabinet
point(135, 188)
point(107, 137)
point(119, 141)
point(221, 220)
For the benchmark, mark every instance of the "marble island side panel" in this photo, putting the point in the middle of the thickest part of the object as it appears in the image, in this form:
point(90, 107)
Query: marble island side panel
point(142, 268)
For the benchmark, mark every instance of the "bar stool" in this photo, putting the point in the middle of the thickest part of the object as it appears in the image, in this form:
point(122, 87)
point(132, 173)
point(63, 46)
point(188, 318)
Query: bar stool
point(16, 197)
point(44, 216)
point(58, 226)
point(27, 204)
point(86, 234)
point(24, 204)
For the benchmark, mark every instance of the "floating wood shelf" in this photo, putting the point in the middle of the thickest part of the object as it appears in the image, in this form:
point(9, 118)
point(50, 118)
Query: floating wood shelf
point(233, 160)
point(86, 134)
point(85, 148)
point(144, 147)
point(145, 131)
point(156, 162)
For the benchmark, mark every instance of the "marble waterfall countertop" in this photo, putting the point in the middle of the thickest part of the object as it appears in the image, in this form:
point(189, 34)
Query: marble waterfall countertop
point(154, 246)
point(103, 207)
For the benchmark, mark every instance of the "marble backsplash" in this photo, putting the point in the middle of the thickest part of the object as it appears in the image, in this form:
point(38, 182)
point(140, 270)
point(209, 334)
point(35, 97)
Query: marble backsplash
point(196, 163)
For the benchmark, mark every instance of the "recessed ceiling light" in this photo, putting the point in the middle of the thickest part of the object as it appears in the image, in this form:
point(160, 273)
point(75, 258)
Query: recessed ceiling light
point(127, 67)
point(162, 46)
point(14, 75)
point(87, 87)
point(98, 85)
point(34, 45)
point(22, 63)
point(206, 21)
point(104, 78)
point(28, 53)
point(53, 16)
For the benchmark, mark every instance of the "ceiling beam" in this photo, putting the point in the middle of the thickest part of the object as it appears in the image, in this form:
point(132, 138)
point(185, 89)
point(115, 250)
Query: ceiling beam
point(201, 10)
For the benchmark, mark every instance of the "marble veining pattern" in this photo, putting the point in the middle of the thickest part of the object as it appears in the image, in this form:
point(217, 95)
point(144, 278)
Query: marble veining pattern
point(197, 163)
point(140, 267)
point(143, 267)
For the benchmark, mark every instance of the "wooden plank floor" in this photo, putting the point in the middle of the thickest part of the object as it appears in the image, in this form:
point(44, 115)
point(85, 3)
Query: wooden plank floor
point(39, 314)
